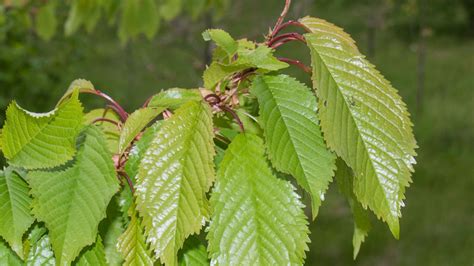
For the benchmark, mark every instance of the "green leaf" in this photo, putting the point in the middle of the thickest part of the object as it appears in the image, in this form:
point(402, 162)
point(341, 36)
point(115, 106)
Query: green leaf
point(40, 252)
point(110, 230)
point(222, 39)
point(193, 253)
point(46, 21)
point(111, 131)
point(374, 133)
point(72, 201)
point(135, 123)
point(169, 9)
point(93, 255)
point(138, 17)
point(261, 58)
point(295, 144)
point(174, 98)
point(344, 178)
point(174, 177)
point(15, 209)
point(138, 150)
point(82, 12)
point(7, 257)
point(76, 84)
point(257, 219)
point(132, 243)
point(33, 140)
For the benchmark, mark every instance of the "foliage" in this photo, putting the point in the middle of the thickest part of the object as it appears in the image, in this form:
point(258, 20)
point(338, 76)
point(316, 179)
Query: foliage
point(209, 160)
point(132, 17)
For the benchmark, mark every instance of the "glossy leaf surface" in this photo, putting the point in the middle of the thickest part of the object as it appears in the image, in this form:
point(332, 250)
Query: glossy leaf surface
point(295, 144)
point(373, 133)
point(174, 176)
point(257, 219)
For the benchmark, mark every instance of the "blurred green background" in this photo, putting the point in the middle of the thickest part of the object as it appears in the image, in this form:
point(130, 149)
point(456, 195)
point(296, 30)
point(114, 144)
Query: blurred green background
point(425, 48)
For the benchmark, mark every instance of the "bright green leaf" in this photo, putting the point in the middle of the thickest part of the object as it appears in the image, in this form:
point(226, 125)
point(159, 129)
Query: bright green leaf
point(222, 39)
point(110, 230)
point(374, 133)
point(135, 123)
point(46, 21)
point(72, 201)
point(257, 219)
point(174, 98)
point(260, 58)
point(15, 209)
point(93, 255)
point(295, 144)
point(132, 243)
point(193, 253)
point(174, 176)
point(33, 140)
point(344, 178)
point(7, 257)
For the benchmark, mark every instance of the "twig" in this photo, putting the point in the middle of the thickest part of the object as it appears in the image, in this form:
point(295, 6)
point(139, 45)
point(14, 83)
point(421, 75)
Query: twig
point(113, 104)
point(297, 63)
point(280, 19)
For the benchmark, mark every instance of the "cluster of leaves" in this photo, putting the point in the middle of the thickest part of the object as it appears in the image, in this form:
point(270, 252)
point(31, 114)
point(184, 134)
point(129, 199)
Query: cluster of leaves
point(131, 16)
point(245, 135)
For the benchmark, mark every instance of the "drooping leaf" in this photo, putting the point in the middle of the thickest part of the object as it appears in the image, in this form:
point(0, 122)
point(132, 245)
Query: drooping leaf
point(344, 178)
point(260, 58)
point(46, 21)
point(15, 209)
point(374, 135)
point(33, 140)
point(135, 123)
point(40, 252)
point(7, 256)
point(138, 17)
point(222, 39)
point(174, 98)
point(294, 140)
point(169, 9)
point(174, 176)
point(132, 243)
point(110, 130)
point(193, 253)
point(82, 12)
point(138, 150)
point(257, 219)
point(93, 255)
point(72, 201)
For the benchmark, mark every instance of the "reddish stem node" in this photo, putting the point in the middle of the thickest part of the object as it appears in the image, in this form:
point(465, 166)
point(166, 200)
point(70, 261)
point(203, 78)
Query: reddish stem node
point(290, 23)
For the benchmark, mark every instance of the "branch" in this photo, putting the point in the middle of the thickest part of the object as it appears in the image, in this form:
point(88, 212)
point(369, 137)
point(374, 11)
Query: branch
point(290, 23)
